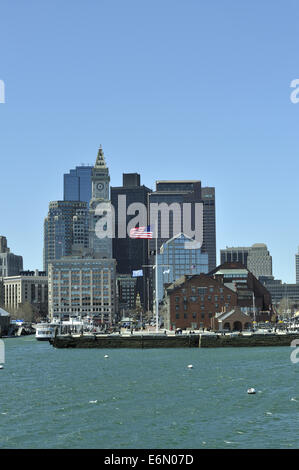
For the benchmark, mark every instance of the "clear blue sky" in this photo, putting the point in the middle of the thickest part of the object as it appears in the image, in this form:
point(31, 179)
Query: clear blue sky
point(172, 90)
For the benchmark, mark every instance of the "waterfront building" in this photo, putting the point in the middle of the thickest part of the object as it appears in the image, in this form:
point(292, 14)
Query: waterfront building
point(65, 228)
point(127, 293)
point(252, 294)
point(77, 184)
point(28, 287)
point(256, 258)
point(175, 260)
point(181, 192)
point(82, 285)
point(98, 206)
point(234, 320)
point(193, 301)
point(130, 253)
point(10, 264)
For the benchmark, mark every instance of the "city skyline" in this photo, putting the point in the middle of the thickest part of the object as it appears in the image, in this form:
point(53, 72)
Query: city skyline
point(207, 97)
point(40, 265)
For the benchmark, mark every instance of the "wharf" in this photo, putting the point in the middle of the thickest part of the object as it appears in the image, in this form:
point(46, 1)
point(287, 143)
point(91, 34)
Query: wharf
point(146, 341)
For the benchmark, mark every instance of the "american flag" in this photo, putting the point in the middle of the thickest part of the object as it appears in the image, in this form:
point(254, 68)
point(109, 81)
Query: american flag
point(141, 232)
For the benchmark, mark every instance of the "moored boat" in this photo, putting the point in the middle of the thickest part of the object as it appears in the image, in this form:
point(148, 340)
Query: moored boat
point(45, 331)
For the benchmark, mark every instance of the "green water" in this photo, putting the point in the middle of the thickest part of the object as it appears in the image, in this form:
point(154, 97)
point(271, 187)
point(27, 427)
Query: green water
point(55, 398)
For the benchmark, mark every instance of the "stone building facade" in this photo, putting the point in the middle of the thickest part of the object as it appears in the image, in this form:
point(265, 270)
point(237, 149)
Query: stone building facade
point(80, 286)
point(29, 287)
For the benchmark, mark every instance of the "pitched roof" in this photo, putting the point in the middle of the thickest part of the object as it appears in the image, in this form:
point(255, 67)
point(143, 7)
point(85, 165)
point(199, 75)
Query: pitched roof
point(225, 315)
point(4, 313)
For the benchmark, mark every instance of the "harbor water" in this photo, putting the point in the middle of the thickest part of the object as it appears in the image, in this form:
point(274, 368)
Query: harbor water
point(150, 399)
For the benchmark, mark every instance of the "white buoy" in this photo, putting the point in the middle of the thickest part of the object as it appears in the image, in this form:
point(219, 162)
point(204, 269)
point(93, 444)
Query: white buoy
point(106, 355)
point(1, 366)
point(251, 391)
point(190, 366)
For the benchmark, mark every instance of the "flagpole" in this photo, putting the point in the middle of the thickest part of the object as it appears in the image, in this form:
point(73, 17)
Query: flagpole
point(156, 290)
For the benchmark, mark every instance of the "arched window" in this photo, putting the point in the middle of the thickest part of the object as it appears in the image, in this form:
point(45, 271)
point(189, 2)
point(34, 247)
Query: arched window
point(237, 326)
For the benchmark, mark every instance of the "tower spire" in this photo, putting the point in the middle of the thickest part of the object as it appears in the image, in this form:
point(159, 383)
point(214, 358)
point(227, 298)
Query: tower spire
point(100, 161)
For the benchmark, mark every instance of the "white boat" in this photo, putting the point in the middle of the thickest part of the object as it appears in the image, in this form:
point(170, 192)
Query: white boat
point(45, 331)
point(263, 331)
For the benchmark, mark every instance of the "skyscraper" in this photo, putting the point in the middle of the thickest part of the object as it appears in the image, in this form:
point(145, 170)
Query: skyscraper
point(259, 260)
point(99, 206)
point(181, 192)
point(10, 264)
point(238, 254)
point(65, 228)
point(82, 280)
point(178, 193)
point(77, 184)
point(255, 258)
point(130, 254)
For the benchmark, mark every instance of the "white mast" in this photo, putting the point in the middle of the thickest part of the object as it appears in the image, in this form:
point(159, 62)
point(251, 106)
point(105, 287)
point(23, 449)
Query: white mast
point(156, 275)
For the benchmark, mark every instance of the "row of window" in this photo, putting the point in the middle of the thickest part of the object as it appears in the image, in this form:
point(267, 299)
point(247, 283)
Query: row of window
point(203, 290)
point(202, 298)
point(194, 315)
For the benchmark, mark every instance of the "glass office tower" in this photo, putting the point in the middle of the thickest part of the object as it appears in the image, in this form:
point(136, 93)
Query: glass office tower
point(131, 254)
point(65, 228)
point(181, 192)
point(77, 184)
point(175, 260)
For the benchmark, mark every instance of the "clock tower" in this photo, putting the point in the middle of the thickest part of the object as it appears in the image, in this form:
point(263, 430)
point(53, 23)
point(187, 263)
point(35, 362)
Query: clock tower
point(100, 178)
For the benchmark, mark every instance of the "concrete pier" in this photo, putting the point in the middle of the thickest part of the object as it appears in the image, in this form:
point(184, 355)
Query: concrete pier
point(171, 341)
point(133, 341)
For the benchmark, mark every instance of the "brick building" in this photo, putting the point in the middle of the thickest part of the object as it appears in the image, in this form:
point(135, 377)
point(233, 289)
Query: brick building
point(192, 302)
point(252, 294)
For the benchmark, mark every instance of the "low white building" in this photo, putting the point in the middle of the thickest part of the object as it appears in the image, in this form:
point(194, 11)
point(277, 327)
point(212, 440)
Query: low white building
point(28, 287)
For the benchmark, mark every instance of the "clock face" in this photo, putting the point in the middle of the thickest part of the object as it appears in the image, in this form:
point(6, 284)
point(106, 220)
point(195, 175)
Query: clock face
point(100, 186)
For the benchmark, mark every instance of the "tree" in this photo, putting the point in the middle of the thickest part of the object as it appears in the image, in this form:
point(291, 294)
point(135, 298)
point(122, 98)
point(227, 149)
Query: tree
point(25, 311)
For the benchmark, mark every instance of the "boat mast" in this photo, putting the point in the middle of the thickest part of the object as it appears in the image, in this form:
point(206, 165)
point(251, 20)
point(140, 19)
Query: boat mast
point(253, 306)
point(156, 276)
